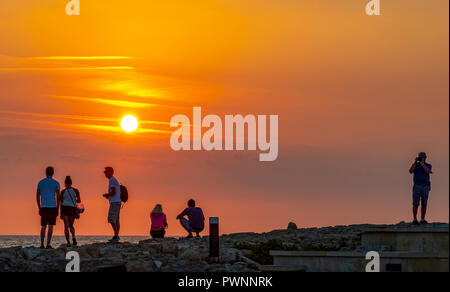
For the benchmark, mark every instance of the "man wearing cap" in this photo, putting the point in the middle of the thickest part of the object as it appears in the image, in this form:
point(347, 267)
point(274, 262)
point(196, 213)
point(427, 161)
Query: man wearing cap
point(113, 196)
point(422, 186)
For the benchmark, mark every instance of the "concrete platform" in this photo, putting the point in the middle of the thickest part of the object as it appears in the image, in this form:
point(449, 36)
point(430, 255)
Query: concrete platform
point(420, 239)
point(321, 261)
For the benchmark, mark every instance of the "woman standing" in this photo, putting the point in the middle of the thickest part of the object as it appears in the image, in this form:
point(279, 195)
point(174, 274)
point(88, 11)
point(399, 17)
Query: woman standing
point(159, 222)
point(69, 199)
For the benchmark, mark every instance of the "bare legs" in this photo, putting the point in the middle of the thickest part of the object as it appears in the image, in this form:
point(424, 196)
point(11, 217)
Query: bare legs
point(415, 208)
point(116, 228)
point(43, 228)
point(49, 234)
point(68, 226)
point(423, 211)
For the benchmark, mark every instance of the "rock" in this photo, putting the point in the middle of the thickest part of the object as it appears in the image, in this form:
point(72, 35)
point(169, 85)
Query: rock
point(153, 246)
point(31, 252)
point(192, 254)
point(250, 262)
point(229, 255)
point(37, 267)
point(181, 247)
point(52, 254)
point(83, 253)
point(245, 252)
point(169, 248)
point(216, 268)
point(140, 266)
point(239, 267)
point(146, 241)
point(158, 264)
point(93, 251)
point(292, 226)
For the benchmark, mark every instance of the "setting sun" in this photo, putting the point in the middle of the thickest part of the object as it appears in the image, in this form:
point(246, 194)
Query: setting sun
point(129, 123)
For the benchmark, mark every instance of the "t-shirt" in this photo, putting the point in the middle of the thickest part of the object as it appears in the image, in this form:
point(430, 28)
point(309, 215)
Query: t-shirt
point(69, 197)
point(114, 183)
point(158, 220)
point(48, 188)
point(196, 217)
point(420, 176)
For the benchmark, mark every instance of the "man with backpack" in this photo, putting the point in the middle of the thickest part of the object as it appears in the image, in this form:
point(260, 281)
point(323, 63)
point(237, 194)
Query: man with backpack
point(114, 197)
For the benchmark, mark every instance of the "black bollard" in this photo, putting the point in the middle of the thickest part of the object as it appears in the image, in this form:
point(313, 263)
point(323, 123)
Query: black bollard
point(214, 237)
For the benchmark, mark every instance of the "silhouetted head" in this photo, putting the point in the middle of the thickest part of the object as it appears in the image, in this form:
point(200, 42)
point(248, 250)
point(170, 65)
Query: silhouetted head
point(191, 203)
point(49, 171)
point(109, 171)
point(423, 156)
point(68, 181)
point(157, 209)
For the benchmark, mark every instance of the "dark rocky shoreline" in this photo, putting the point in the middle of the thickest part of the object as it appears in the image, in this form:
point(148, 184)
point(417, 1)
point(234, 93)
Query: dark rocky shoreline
point(240, 252)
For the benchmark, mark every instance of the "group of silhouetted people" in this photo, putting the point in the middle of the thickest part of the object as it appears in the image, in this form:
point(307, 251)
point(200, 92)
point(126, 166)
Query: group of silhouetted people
point(52, 202)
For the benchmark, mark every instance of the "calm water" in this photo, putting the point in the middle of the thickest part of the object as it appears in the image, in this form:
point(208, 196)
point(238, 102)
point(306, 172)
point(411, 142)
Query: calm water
point(33, 240)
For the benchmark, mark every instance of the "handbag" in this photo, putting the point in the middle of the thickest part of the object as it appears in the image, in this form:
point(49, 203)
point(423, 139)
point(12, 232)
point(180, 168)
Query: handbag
point(79, 207)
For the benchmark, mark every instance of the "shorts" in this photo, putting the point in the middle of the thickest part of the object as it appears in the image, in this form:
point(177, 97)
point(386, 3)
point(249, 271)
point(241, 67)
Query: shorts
point(48, 216)
point(69, 211)
point(420, 194)
point(114, 212)
point(158, 233)
point(187, 225)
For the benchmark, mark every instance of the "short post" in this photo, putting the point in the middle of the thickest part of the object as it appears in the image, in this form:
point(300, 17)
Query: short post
point(214, 237)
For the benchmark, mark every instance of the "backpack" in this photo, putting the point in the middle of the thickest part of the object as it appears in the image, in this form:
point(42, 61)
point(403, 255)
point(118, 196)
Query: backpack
point(123, 193)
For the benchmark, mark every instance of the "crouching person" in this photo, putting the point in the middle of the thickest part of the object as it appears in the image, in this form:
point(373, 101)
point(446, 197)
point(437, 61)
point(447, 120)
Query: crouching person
point(196, 220)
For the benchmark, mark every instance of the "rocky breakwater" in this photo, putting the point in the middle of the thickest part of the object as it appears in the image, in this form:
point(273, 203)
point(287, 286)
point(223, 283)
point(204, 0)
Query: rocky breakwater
point(240, 252)
point(167, 255)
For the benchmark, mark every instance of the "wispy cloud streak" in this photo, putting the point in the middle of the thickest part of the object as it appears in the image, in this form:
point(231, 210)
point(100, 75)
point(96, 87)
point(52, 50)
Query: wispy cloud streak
point(114, 102)
point(12, 69)
point(79, 117)
point(82, 58)
point(25, 123)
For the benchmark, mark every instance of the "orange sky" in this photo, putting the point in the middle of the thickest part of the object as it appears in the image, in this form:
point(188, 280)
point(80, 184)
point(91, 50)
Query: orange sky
point(357, 98)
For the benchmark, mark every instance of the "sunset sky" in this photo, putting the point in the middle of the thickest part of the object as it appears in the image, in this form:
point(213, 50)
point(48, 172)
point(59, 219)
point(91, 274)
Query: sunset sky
point(357, 97)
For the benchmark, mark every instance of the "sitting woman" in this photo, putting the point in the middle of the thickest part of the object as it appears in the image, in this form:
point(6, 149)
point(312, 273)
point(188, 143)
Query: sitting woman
point(159, 222)
point(69, 199)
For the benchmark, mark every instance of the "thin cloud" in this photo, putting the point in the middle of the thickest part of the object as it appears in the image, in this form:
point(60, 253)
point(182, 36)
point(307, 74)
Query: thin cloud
point(99, 127)
point(82, 58)
point(27, 123)
point(114, 102)
point(60, 116)
point(13, 69)
point(79, 117)
point(118, 129)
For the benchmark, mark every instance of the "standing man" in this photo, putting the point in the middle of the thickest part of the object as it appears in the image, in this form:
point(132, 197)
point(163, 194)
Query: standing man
point(113, 196)
point(422, 186)
point(48, 198)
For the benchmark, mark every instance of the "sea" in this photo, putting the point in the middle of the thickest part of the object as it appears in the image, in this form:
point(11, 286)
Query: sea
point(7, 241)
